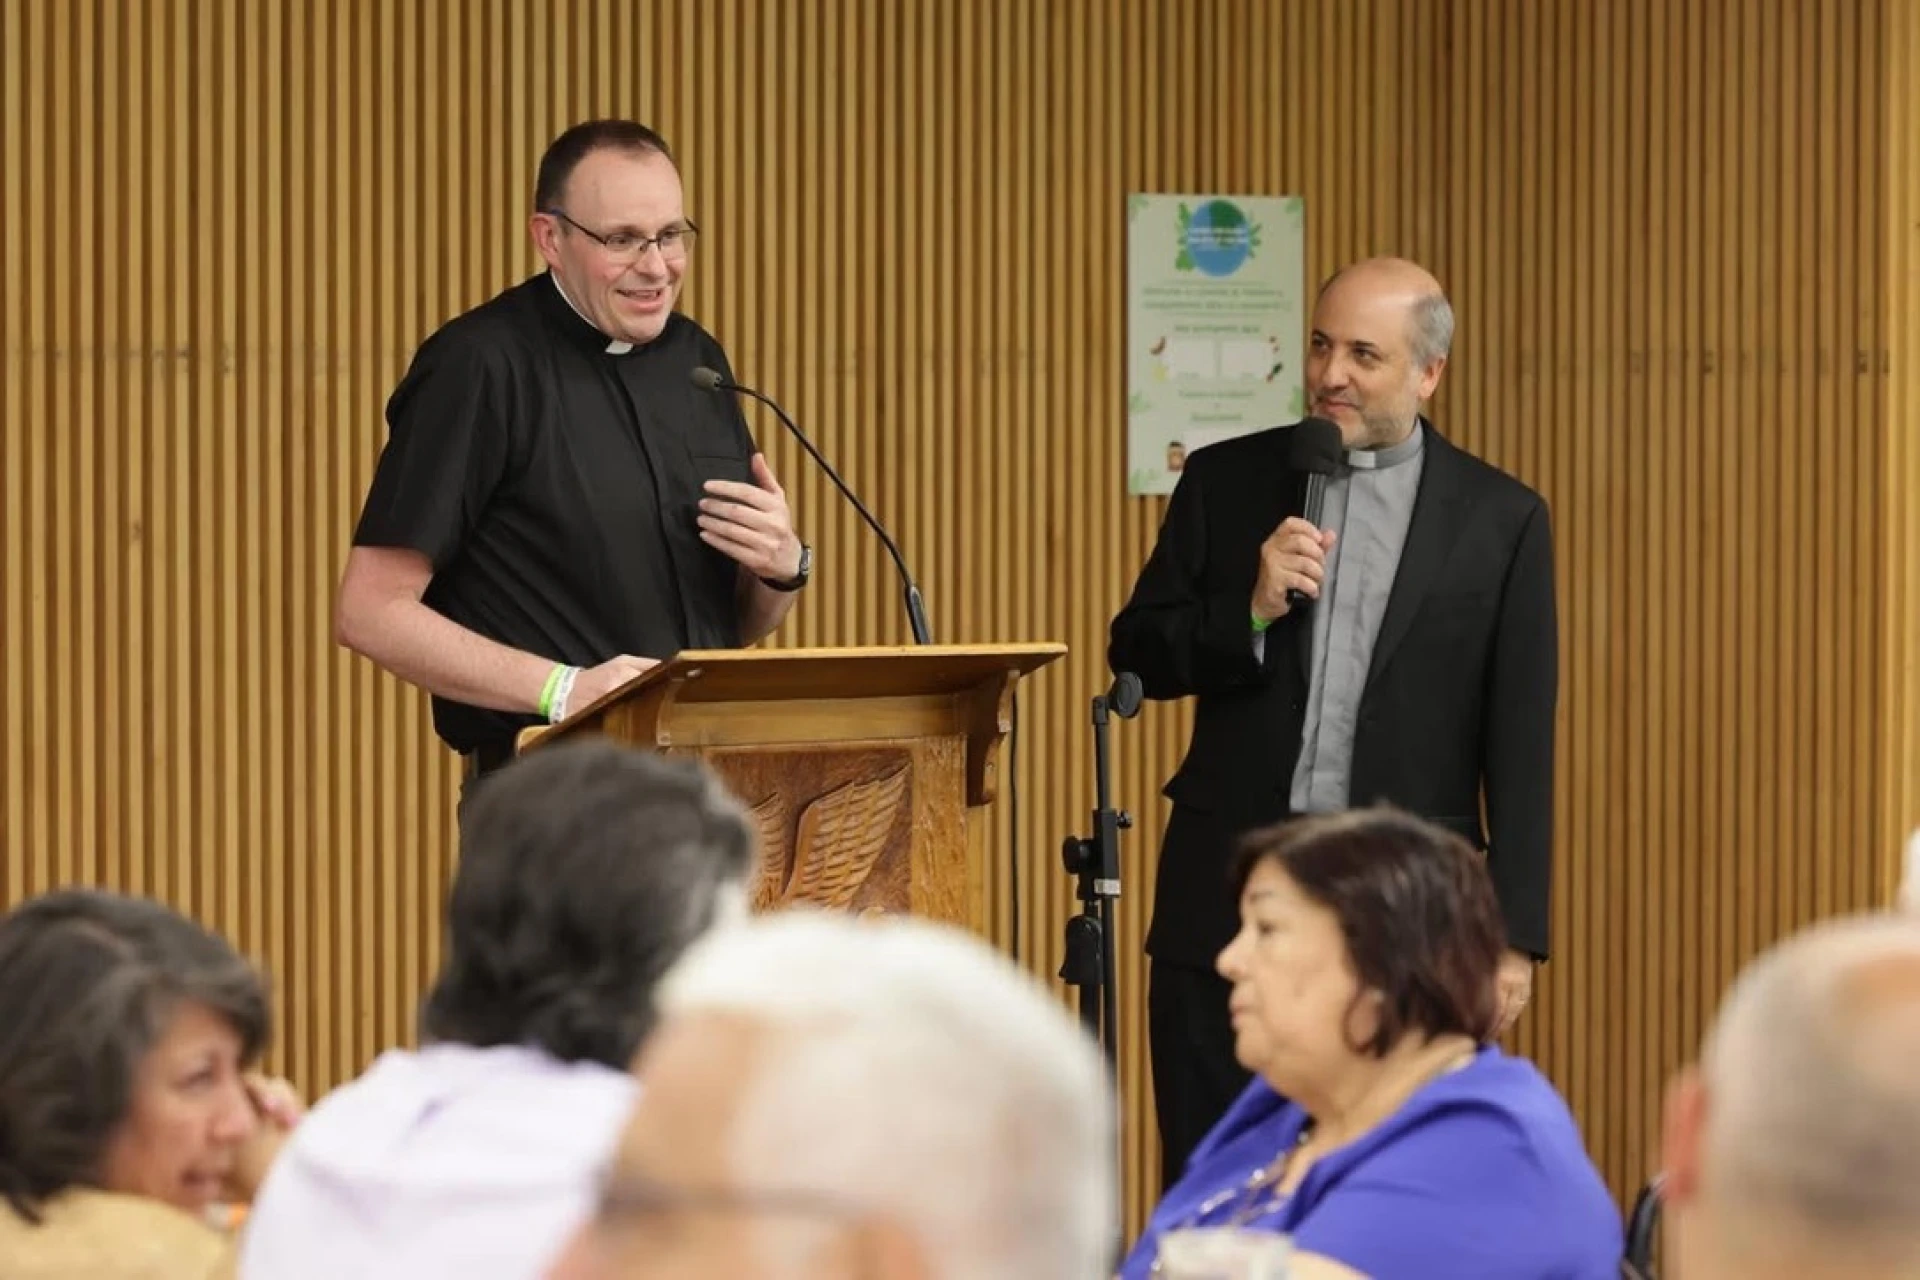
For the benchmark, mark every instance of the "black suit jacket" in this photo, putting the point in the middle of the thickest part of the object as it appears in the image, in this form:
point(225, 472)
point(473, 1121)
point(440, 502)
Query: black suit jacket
point(1458, 703)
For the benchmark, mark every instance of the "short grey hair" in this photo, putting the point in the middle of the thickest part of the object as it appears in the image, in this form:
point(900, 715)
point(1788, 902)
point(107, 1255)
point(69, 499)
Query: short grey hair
point(1430, 327)
point(1814, 1118)
point(924, 1079)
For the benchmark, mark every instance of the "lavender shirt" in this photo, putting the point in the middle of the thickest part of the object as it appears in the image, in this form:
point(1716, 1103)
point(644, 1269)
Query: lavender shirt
point(453, 1161)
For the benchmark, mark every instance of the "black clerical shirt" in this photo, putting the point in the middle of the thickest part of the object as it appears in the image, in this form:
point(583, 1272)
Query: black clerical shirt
point(553, 482)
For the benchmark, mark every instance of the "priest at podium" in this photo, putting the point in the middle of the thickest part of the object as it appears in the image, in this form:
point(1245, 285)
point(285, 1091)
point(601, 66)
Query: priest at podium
point(557, 507)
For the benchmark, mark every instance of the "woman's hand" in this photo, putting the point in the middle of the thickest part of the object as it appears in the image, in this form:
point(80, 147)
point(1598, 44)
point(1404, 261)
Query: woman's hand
point(278, 1108)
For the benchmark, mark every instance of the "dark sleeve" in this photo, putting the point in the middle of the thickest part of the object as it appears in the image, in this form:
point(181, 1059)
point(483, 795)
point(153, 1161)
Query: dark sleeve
point(1519, 745)
point(1179, 637)
point(447, 447)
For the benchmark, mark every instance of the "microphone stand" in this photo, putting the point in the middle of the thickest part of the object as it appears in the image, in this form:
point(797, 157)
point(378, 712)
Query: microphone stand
point(1095, 860)
point(709, 380)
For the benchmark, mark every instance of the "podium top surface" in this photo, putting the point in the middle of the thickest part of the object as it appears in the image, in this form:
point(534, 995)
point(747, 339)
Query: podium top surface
point(748, 675)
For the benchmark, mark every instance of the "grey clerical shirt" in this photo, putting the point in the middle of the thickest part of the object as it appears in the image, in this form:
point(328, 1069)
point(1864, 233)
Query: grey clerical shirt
point(1369, 504)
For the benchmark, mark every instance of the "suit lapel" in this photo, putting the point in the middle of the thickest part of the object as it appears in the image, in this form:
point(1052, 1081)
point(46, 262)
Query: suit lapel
point(1439, 513)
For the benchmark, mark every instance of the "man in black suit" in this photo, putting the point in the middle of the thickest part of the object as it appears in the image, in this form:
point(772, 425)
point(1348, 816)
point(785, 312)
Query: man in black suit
point(1422, 671)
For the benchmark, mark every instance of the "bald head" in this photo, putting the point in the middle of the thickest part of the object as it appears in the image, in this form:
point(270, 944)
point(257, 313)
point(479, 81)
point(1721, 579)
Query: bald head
point(1387, 274)
point(1409, 287)
point(1801, 1132)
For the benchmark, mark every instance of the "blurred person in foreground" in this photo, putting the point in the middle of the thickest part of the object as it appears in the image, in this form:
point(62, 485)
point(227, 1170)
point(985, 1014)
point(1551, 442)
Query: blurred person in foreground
point(1384, 1132)
point(1792, 1150)
point(128, 1113)
point(884, 1098)
point(585, 870)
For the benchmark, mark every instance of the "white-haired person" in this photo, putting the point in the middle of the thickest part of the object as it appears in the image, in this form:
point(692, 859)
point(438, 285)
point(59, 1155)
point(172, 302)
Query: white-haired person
point(887, 1098)
point(1792, 1149)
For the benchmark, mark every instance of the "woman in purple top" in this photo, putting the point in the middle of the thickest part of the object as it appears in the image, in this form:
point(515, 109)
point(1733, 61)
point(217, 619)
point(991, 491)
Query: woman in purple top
point(1382, 1132)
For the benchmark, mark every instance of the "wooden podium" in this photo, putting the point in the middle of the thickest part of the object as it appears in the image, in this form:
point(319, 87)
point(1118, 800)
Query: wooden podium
point(867, 771)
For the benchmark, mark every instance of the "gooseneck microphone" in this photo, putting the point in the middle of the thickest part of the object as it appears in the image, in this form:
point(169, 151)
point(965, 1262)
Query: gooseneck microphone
point(1314, 447)
point(711, 380)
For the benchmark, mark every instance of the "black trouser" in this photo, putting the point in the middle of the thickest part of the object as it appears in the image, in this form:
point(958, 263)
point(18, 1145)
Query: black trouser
point(475, 765)
point(1190, 1043)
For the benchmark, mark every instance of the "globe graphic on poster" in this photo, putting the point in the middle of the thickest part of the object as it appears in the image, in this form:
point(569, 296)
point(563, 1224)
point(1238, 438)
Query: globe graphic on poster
point(1218, 238)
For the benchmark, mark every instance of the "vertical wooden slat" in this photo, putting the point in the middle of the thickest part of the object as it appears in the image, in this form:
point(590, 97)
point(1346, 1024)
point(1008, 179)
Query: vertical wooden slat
point(1679, 237)
point(15, 362)
point(57, 556)
point(29, 484)
point(1897, 523)
point(82, 577)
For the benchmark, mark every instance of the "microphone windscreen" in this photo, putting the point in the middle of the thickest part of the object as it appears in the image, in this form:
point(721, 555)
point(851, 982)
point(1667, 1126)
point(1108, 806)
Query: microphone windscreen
point(707, 379)
point(1315, 446)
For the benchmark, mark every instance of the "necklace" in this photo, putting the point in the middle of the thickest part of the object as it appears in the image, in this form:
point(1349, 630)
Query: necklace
point(1259, 1191)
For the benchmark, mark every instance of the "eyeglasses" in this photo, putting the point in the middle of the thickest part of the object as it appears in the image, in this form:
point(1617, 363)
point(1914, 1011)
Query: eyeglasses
point(674, 243)
point(627, 1196)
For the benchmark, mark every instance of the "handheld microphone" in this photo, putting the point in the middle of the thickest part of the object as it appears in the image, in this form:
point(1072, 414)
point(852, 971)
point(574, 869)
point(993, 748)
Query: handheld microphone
point(711, 380)
point(1314, 447)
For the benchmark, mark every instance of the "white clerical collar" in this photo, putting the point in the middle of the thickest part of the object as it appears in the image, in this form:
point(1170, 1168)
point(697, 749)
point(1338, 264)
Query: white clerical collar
point(615, 347)
point(1391, 456)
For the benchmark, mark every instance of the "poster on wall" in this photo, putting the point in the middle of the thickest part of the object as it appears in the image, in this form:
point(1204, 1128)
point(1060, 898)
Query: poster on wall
point(1214, 336)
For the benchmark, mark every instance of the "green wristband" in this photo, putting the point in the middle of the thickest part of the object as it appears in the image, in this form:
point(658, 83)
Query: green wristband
point(546, 694)
point(1259, 623)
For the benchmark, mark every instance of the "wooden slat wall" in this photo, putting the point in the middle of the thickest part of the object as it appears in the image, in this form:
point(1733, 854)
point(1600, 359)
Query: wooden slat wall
point(226, 224)
point(1667, 259)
